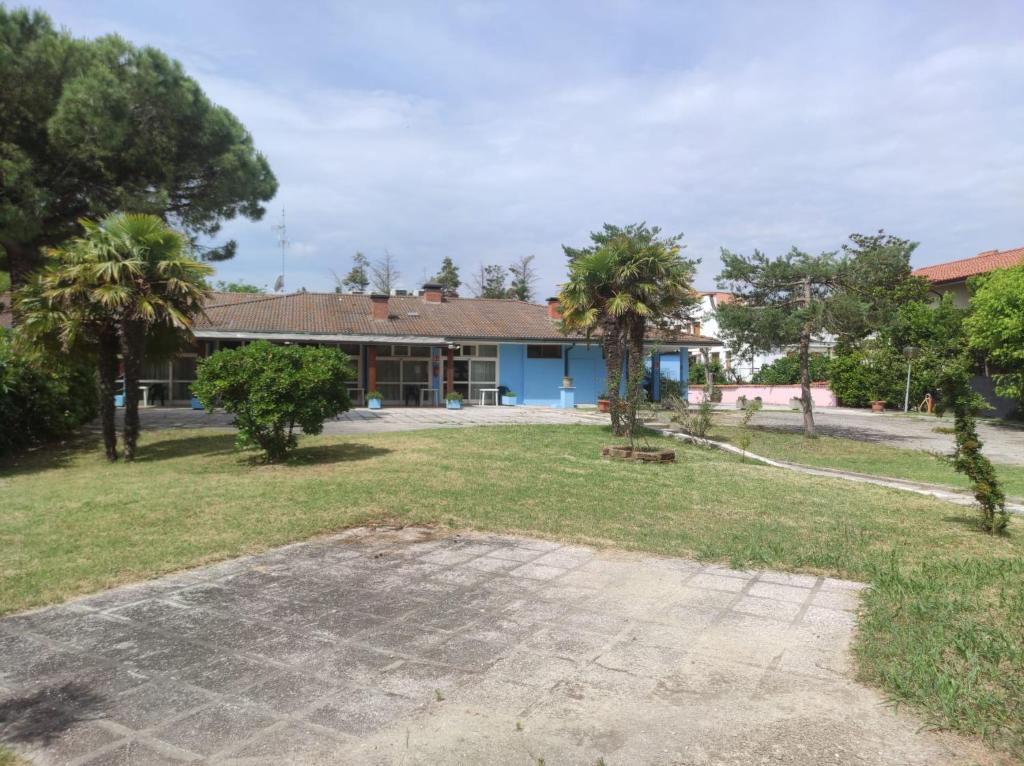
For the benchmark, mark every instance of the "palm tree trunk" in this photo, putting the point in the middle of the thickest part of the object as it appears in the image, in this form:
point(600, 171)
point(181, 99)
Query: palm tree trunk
point(635, 327)
point(611, 339)
point(108, 347)
point(133, 334)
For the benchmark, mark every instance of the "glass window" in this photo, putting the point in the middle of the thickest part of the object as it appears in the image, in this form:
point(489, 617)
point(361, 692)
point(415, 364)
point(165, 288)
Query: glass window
point(461, 370)
point(420, 351)
point(185, 368)
point(483, 372)
point(154, 370)
point(467, 351)
point(491, 351)
point(543, 352)
point(399, 351)
point(389, 371)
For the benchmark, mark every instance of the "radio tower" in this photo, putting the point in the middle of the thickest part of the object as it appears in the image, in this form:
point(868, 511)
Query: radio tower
point(282, 240)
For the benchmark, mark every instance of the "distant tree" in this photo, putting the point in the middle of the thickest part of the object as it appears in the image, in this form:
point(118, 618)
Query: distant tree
point(94, 126)
point(524, 277)
point(238, 287)
point(448, 277)
point(357, 279)
point(272, 390)
point(384, 274)
point(489, 282)
point(789, 300)
point(995, 328)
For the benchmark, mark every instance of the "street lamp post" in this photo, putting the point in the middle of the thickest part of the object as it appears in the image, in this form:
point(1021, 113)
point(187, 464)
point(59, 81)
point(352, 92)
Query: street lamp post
point(909, 352)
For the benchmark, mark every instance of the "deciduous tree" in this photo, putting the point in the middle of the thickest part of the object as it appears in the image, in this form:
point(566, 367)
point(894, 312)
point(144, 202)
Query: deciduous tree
point(524, 277)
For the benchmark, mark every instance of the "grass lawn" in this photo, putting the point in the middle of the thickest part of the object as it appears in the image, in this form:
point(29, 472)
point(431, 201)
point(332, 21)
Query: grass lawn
point(859, 456)
point(943, 627)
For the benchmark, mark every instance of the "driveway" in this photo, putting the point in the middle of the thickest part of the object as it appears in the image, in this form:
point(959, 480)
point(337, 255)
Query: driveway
point(362, 420)
point(1004, 443)
point(413, 647)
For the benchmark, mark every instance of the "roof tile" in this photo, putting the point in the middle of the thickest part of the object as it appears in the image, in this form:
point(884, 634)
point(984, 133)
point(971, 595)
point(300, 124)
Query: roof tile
point(956, 271)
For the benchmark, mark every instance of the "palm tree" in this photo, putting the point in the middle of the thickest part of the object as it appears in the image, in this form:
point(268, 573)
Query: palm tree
point(147, 279)
point(58, 307)
point(584, 305)
point(632, 278)
point(129, 277)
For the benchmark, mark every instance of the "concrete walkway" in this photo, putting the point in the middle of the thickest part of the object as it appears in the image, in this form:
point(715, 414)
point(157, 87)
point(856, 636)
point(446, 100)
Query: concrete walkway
point(412, 647)
point(362, 420)
point(1004, 442)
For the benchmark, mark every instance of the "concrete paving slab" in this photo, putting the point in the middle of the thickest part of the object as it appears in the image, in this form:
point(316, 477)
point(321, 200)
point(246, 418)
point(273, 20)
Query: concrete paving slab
point(332, 651)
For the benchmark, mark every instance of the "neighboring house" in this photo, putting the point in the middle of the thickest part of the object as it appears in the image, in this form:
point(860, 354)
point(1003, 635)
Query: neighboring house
point(704, 322)
point(952, 277)
point(401, 344)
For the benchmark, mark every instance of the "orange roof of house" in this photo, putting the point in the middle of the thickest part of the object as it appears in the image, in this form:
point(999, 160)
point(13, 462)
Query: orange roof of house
point(718, 296)
point(957, 271)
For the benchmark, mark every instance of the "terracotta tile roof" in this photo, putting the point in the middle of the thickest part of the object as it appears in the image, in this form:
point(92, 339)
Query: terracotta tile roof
point(344, 314)
point(718, 296)
point(956, 271)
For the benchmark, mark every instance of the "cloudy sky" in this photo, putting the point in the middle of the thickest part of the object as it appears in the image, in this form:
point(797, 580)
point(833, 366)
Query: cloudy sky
point(491, 130)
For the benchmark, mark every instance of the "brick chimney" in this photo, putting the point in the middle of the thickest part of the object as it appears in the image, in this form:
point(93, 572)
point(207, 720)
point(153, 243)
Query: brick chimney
point(432, 292)
point(554, 308)
point(379, 302)
point(695, 328)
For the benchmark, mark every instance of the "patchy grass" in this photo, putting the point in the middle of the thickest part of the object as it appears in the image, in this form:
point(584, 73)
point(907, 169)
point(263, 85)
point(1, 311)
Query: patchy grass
point(860, 456)
point(8, 758)
point(943, 627)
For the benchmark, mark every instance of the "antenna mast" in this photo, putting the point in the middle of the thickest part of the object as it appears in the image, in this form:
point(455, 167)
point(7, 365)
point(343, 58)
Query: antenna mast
point(282, 241)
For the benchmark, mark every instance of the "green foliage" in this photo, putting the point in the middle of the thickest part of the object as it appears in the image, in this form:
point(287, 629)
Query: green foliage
point(375, 395)
point(695, 421)
point(448, 277)
point(957, 396)
point(749, 410)
point(524, 276)
point(273, 389)
point(358, 277)
point(239, 287)
point(455, 396)
point(786, 370)
point(489, 282)
point(93, 126)
point(670, 388)
point(876, 369)
point(719, 375)
point(42, 397)
point(995, 328)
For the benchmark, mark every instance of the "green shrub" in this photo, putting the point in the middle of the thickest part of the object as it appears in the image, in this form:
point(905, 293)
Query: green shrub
point(786, 371)
point(720, 375)
point(273, 389)
point(42, 397)
point(453, 396)
point(863, 375)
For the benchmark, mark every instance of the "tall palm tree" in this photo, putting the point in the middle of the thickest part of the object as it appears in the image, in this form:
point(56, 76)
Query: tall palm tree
point(128, 277)
point(584, 300)
point(58, 307)
point(147, 279)
point(632, 278)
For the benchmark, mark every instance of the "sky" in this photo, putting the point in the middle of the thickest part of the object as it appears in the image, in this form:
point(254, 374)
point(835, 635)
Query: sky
point(487, 131)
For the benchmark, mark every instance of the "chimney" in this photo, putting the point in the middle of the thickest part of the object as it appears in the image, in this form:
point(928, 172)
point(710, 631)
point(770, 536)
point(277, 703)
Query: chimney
point(379, 302)
point(432, 292)
point(554, 308)
point(695, 328)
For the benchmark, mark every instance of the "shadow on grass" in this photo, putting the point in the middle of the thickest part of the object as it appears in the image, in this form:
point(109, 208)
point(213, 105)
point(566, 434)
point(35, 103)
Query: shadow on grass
point(42, 716)
point(189, 446)
point(46, 457)
point(344, 452)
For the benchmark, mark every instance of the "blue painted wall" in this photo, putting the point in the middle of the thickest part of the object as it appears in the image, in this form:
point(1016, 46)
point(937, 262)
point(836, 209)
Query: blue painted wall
point(537, 381)
point(586, 368)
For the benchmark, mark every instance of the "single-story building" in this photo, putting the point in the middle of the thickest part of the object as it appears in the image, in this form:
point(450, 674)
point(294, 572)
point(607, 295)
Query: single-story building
point(417, 348)
point(951, 277)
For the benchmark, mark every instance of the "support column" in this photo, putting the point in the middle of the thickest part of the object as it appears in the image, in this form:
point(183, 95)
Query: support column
point(684, 372)
point(371, 369)
point(449, 371)
point(656, 376)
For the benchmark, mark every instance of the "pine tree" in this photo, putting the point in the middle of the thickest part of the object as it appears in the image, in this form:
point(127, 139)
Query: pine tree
point(448, 277)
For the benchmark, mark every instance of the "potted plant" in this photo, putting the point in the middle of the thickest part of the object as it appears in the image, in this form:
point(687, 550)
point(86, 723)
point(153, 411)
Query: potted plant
point(374, 399)
point(508, 398)
point(453, 401)
point(878, 405)
point(566, 382)
point(604, 404)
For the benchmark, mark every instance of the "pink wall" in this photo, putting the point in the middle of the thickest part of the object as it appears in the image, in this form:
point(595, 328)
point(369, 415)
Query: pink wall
point(821, 395)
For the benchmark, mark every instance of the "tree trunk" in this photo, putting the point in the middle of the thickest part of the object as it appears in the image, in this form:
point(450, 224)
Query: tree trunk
point(709, 375)
point(805, 381)
point(805, 365)
point(133, 334)
point(635, 327)
point(108, 347)
point(611, 339)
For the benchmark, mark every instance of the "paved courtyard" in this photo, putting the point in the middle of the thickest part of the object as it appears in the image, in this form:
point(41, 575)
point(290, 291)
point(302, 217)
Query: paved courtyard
point(416, 647)
point(363, 420)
